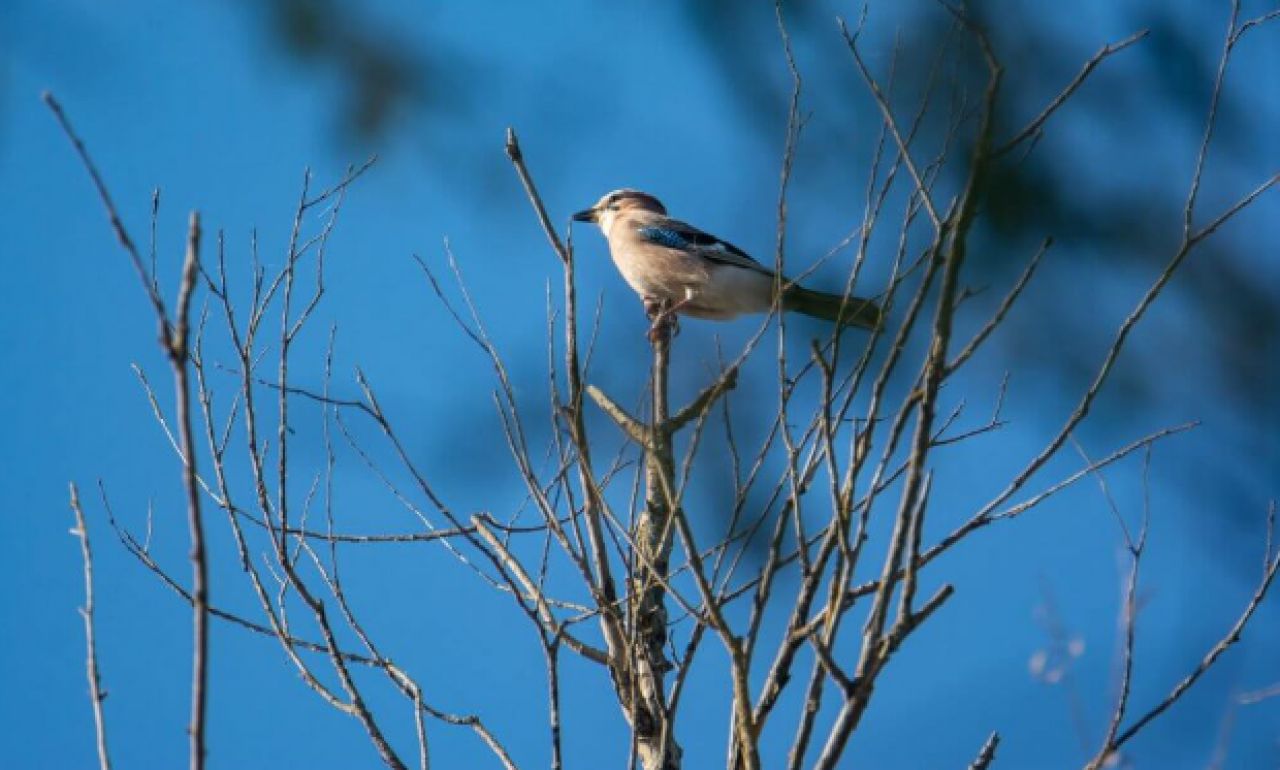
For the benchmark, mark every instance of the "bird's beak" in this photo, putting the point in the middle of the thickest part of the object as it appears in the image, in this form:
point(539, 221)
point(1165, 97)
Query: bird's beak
point(586, 215)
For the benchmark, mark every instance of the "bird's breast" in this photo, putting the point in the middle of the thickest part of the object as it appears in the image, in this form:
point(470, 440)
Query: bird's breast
point(657, 271)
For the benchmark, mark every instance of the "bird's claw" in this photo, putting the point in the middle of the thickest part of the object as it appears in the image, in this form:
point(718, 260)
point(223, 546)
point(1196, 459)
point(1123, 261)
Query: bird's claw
point(664, 323)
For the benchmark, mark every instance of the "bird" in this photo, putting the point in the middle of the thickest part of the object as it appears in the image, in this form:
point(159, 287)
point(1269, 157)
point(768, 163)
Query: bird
point(677, 268)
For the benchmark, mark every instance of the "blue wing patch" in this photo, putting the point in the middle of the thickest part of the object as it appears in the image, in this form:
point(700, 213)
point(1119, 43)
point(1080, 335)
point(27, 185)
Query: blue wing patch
point(674, 234)
point(663, 236)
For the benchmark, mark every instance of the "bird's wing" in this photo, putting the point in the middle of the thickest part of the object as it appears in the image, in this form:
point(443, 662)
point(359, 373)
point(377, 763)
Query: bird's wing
point(678, 235)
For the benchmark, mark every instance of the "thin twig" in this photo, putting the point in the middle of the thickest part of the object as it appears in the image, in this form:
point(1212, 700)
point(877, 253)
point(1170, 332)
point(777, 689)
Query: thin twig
point(1033, 128)
point(117, 224)
point(96, 694)
point(987, 754)
point(1214, 653)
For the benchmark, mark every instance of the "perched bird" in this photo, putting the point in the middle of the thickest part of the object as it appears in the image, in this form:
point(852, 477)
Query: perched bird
point(697, 274)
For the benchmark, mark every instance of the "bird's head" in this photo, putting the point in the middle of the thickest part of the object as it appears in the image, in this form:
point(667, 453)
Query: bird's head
point(611, 205)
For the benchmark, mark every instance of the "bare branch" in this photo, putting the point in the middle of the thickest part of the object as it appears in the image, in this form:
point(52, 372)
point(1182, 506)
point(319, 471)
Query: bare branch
point(1003, 310)
point(534, 593)
point(1216, 652)
point(634, 429)
point(1128, 612)
point(1033, 128)
point(96, 694)
point(174, 333)
point(596, 508)
point(851, 40)
point(987, 754)
point(117, 224)
point(516, 155)
point(697, 408)
point(179, 361)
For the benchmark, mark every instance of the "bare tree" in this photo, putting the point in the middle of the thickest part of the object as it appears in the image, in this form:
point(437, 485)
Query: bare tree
point(835, 496)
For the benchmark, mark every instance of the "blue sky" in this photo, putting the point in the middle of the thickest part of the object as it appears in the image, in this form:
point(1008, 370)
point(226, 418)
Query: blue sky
point(202, 102)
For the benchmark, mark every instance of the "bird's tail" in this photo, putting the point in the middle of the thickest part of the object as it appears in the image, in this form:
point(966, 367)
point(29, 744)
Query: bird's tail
point(846, 311)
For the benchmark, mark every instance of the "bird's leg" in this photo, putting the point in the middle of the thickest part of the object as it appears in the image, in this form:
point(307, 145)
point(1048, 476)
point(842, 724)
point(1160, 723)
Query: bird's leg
point(688, 297)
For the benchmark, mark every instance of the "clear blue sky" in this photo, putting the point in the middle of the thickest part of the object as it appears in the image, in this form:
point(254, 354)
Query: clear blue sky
point(201, 100)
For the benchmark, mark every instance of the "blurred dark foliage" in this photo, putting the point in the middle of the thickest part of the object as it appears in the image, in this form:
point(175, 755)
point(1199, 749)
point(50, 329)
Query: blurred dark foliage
point(1121, 215)
point(1168, 76)
point(384, 78)
point(1122, 227)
